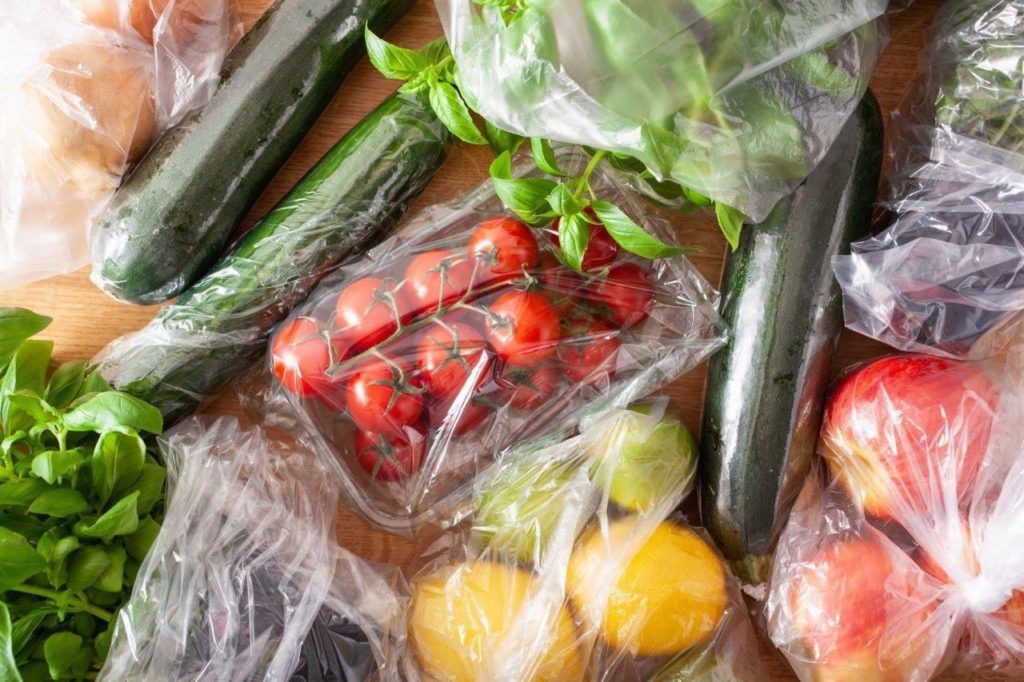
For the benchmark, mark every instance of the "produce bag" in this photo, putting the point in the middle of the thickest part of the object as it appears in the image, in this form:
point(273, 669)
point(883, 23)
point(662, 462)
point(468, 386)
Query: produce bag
point(945, 275)
point(410, 368)
point(87, 86)
point(912, 559)
point(737, 101)
point(572, 567)
point(245, 579)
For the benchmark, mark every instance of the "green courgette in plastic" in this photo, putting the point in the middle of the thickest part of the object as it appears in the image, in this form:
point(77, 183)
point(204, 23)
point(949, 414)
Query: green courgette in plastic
point(172, 217)
point(345, 204)
point(765, 389)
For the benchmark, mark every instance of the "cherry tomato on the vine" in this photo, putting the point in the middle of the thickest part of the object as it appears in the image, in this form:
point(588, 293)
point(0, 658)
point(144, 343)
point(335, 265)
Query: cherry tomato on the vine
point(503, 248)
point(392, 457)
point(435, 279)
point(532, 388)
point(601, 248)
point(382, 399)
point(461, 418)
point(369, 310)
point(448, 355)
point(301, 356)
point(628, 294)
point(589, 350)
point(523, 328)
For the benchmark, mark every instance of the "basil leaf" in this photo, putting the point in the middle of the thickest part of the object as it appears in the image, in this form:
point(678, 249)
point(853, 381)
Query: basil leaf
point(19, 561)
point(526, 197)
point(61, 651)
point(435, 51)
point(23, 629)
point(94, 383)
point(544, 156)
point(22, 492)
point(139, 542)
point(696, 198)
point(85, 566)
point(394, 62)
point(121, 519)
point(116, 463)
point(17, 325)
point(30, 405)
point(59, 502)
point(730, 220)
point(26, 372)
point(573, 237)
point(114, 411)
point(112, 579)
point(65, 383)
point(563, 202)
point(453, 112)
point(501, 140)
point(52, 464)
point(30, 527)
point(631, 236)
point(150, 486)
point(55, 549)
point(8, 666)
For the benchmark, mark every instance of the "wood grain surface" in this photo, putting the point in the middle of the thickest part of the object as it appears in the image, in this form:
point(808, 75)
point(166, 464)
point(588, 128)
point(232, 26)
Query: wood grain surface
point(85, 319)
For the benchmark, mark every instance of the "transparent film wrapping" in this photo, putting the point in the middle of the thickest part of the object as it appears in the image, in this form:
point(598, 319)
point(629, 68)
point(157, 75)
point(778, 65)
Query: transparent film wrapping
point(574, 566)
point(245, 579)
point(87, 86)
point(945, 275)
point(409, 369)
point(910, 562)
point(737, 101)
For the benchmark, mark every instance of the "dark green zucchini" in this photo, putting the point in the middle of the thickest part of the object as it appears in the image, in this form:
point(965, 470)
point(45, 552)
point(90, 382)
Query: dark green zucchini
point(174, 214)
point(765, 389)
point(345, 204)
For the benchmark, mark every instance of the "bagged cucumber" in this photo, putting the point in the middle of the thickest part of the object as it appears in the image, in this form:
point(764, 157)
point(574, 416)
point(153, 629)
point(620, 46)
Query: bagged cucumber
point(766, 388)
point(347, 202)
point(170, 220)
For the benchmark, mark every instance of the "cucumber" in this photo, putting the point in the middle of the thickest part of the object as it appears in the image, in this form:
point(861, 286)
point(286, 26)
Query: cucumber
point(765, 389)
point(345, 204)
point(172, 217)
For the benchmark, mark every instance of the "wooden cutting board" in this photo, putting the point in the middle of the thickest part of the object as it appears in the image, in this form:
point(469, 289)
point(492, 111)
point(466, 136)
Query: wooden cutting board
point(85, 319)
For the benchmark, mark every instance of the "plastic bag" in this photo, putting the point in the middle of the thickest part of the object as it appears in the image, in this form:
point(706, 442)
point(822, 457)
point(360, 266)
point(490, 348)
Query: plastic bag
point(245, 565)
point(571, 569)
point(736, 100)
point(912, 559)
point(946, 275)
point(520, 347)
point(87, 86)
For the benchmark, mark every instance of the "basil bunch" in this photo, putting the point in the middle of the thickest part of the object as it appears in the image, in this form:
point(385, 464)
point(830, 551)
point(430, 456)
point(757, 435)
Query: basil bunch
point(80, 503)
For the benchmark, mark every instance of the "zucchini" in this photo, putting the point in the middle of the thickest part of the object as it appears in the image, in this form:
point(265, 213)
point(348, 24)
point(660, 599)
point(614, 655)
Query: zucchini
point(345, 204)
point(170, 220)
point(765, 389)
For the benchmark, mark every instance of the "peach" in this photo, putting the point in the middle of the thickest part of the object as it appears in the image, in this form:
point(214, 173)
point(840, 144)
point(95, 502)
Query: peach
point(896, 427)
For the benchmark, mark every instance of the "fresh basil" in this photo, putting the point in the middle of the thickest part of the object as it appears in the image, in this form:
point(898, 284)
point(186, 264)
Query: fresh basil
point(631, 236)
point(731, 222)
point(544, 157)
point(8, 666)
point(19, 560)
point(574, 235)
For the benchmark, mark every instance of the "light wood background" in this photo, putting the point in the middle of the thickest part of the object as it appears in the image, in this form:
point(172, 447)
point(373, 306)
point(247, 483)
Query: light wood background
point(85, 319)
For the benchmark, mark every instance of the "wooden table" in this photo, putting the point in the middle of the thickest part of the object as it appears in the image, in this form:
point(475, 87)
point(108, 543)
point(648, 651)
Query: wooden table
point(85, 319)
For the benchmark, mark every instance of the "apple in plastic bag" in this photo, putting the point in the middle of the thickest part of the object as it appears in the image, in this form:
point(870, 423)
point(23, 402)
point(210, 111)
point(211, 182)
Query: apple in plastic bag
point(896, 427)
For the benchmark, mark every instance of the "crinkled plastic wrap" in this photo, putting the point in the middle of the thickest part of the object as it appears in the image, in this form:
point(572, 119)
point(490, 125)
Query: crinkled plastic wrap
point(573, 567)
point(410, 368)
point(911, 561)
point(86, 86)
point(245, 579)
point(736, 100)
point(946, 275)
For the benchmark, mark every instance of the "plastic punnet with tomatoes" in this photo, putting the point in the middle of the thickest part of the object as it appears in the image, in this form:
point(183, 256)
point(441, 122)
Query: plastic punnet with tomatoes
point(412, 367)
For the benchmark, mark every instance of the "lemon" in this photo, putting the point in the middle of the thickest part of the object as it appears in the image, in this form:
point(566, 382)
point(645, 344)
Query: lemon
point(665, 598)
point(468, 622)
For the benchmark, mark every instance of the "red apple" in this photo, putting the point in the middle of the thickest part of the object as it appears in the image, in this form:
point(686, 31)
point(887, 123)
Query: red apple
point(898, 426)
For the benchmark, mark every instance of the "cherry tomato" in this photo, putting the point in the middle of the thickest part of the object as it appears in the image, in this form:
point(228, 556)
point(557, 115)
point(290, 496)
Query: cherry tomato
point(381, 398)
point(461, 419)
point(628, 294)
point(448, 355)
point(394, 457)
point(601, 248)
point(533, 388)
point(589, 350)
point(369, 310)
point(435, 279)
point(523, 328)
point(503, 248)
point(300, 356)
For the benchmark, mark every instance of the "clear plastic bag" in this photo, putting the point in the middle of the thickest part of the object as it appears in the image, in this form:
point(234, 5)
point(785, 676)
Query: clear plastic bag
point(573, 567)
point(87, 85)
point(521, 347)
point(946, 275)
point(912, 559)
point(736, 100)
point(245, 570)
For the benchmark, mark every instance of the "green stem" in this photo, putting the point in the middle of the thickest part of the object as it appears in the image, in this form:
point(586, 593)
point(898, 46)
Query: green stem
point(75, 602)
point(584, 179)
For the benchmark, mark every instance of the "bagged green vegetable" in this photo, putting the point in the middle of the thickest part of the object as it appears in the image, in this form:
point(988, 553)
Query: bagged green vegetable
point(735, 101)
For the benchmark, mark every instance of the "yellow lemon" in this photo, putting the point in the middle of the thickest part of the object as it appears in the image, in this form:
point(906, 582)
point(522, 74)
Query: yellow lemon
point(664, 599)
point(468, 623)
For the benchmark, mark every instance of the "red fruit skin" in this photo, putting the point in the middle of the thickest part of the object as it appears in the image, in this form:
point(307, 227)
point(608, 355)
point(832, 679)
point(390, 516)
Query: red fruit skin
point(899, 424)
point(503, 248)
point(369, 310)
point(531, 389)
point(523, 328)
point(380, 400)
point(392, 458)
point(601, 248)
point(465, 417)
point(300, 357)
point(627, 293)
point(448, 355)
point(435, 279)
point(588, 351)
